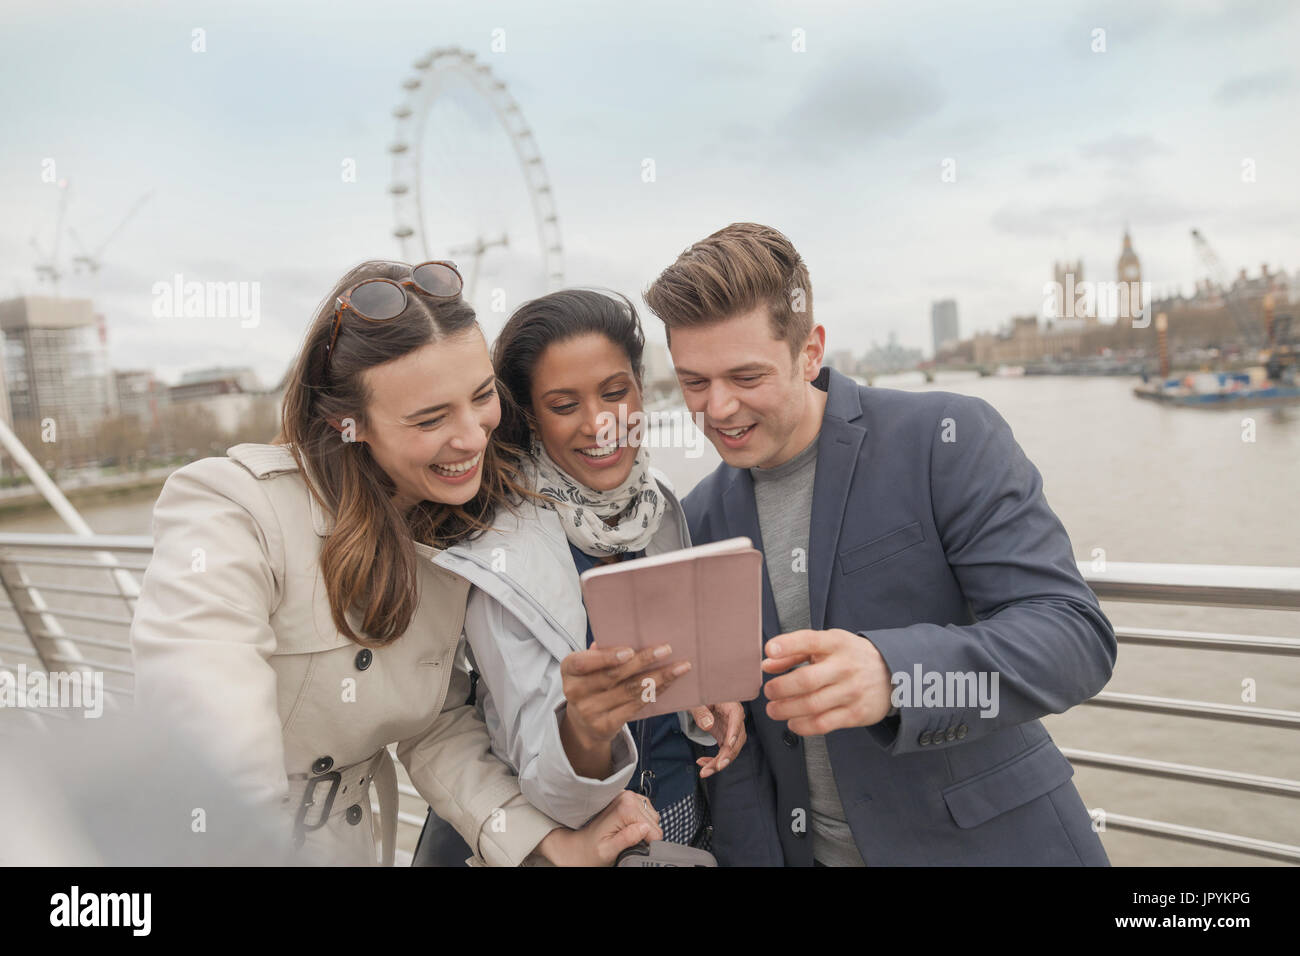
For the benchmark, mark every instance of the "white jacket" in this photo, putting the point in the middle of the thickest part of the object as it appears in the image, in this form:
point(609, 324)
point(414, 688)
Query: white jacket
point(235, 646)
point(525, 615)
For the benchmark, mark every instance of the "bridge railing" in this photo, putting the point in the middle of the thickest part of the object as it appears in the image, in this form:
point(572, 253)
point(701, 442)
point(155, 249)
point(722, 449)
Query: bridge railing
point(68, 601)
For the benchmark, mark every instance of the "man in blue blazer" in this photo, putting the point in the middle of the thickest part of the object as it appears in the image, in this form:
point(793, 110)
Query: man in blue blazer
point(922, 608)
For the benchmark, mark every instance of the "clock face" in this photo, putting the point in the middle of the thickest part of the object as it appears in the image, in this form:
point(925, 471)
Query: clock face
point(1130, 273)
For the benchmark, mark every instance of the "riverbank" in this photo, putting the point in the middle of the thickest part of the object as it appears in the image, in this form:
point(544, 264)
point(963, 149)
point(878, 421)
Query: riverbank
point(27, 500)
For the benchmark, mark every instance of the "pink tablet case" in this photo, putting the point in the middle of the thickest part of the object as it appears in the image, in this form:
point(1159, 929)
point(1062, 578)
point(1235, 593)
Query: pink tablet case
point(706, 602)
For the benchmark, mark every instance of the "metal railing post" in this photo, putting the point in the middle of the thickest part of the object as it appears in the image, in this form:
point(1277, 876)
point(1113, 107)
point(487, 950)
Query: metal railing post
point(126, 583)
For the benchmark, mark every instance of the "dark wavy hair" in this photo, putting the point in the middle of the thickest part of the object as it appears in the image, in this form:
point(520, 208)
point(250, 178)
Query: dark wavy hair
point(368, 561)
point(556, 318)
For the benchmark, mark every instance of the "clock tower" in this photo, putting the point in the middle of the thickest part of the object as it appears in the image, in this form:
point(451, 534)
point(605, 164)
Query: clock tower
point(1130, 272)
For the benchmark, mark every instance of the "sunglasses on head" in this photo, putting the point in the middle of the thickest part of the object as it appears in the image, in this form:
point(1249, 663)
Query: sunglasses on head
point(381, 299)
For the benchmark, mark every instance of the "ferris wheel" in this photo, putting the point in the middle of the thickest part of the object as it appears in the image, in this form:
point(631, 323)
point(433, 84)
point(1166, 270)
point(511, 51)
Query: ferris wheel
point(469, 183)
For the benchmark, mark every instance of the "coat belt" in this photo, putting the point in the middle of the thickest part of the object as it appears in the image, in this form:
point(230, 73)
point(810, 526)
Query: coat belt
point(308, 790)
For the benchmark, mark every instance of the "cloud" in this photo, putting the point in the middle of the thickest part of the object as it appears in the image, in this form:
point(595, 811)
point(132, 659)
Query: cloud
point(1230, 16)
point(1045, 169)
point(1122, 147)
point(1145, 208)
point(1253, 86)
point(1126, 23)
point(860, 102)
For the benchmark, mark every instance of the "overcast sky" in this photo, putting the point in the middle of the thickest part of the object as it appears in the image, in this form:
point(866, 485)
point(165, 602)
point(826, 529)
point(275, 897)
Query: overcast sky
point(841, 146)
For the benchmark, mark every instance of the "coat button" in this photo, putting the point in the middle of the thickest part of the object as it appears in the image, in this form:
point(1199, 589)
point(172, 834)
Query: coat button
point(790, 738)
point(322, 764)
point(354, 814)
point(961, 731)
point(924, 739)
point(364, 657)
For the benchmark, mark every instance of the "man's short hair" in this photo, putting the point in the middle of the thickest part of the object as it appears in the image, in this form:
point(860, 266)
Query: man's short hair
point(732, 272)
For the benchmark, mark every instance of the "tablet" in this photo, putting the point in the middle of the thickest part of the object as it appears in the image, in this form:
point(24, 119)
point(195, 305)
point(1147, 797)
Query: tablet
point(705, 601)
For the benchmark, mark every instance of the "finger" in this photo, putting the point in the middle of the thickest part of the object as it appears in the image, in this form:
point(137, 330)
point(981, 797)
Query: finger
point(733, 740)
point(649, 812)
point(703, 717)
point(804, 680)
point(779, 665)
point(800, 642)
point(595, 659)
point(642, 660)
point(617, 706)
point(824, 723)
point(612, 844)
point(718, 721)
point(741, 738)
point(644, 688)
point(734, 726)
point(632, 809)
point(820, 701)
point(725, 736)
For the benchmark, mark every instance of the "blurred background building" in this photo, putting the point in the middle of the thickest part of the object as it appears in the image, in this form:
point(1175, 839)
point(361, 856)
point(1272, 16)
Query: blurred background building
point(943, 324)
point(56, 365)
point(230, 394)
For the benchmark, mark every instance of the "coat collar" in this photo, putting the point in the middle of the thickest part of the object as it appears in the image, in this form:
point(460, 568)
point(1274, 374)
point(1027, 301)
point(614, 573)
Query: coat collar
point(523, 562)
point(264, 461)
point(838, 444)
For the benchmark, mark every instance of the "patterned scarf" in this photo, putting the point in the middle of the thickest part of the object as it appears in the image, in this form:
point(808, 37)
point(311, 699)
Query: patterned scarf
point(637, 502)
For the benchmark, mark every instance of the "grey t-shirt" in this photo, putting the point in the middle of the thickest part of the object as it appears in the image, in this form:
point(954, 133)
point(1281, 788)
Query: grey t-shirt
point(784, 498)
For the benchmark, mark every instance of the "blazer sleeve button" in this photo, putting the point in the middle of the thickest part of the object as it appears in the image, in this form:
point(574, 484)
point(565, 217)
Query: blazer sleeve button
point(924, 739)
point(961, 731)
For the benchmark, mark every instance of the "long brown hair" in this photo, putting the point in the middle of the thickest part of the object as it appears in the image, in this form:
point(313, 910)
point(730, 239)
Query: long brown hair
point(369, 561)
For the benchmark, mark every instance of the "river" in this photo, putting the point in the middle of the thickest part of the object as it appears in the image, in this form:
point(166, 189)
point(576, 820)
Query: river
point(1142, 482)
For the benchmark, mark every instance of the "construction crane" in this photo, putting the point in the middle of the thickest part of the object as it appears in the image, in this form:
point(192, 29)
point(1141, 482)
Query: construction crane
point(92, 261)
point(47, 267)
point(1250, 332)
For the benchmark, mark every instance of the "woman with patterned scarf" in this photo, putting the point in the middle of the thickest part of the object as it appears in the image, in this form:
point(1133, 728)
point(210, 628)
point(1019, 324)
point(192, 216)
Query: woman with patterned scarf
point(557, 706)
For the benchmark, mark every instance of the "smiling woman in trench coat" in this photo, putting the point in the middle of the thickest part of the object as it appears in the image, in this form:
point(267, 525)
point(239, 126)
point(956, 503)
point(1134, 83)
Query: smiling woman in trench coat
point(239, 646)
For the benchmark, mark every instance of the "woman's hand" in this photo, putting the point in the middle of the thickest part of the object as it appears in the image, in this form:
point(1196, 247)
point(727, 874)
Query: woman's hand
point(726, 722)
point(628, 820)
point(605, 687)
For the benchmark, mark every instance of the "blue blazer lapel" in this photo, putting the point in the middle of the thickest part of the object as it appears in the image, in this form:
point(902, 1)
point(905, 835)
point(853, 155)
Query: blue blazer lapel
point(838, 447)
point(740, 512)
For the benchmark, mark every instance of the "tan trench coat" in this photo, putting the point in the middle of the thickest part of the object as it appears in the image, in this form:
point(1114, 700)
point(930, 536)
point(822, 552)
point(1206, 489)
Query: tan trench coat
point(234, 645)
